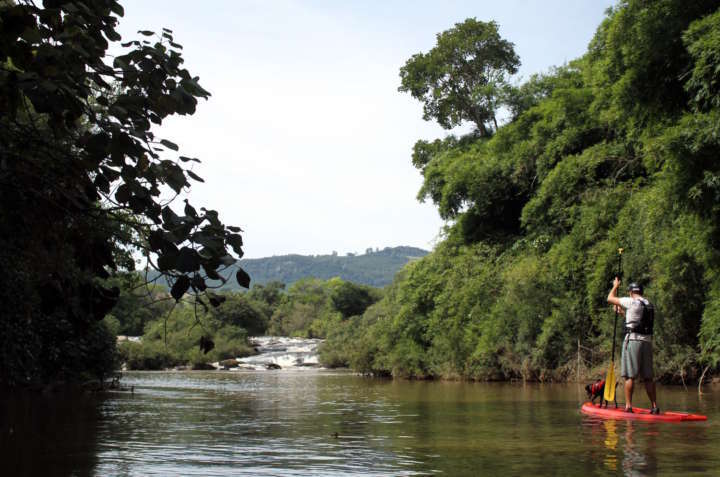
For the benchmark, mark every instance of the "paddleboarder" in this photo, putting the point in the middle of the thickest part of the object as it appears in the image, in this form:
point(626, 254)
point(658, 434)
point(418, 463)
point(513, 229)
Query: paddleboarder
point(637, 352)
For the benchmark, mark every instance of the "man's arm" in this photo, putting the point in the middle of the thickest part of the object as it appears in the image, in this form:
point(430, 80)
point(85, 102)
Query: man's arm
point(612, 296)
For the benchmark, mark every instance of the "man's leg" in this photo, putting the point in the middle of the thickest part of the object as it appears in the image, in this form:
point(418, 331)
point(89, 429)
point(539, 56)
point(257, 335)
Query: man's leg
point(650, 388)
point(629, 368)
point(628, 392)
point(647, 371)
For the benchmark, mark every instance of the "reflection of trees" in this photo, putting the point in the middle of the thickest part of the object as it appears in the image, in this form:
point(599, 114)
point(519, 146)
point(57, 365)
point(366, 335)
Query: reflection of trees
point(49, 435)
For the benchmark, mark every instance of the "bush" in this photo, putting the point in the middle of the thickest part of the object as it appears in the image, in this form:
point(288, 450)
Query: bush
point(147, 356)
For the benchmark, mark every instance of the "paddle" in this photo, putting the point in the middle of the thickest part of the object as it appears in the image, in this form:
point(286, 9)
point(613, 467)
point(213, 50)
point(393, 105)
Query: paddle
point(609, 393)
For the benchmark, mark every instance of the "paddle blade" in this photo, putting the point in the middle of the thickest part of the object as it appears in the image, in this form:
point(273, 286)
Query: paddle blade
point(609, 393)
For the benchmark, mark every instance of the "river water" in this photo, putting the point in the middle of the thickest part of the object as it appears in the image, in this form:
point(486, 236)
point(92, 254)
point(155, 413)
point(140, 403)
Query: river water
point(328, 423)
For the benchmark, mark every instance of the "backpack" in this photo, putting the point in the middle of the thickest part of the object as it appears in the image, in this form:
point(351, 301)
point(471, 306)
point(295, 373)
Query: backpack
point(647, 320)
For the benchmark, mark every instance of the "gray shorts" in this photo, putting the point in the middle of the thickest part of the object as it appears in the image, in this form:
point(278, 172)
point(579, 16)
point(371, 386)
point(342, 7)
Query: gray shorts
point(637, 359)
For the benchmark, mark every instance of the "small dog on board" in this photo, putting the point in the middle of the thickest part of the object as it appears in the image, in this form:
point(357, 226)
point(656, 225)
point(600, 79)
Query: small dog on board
point(597, 390)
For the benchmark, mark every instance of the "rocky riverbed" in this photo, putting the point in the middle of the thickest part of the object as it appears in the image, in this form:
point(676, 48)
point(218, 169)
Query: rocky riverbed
point(277, 352)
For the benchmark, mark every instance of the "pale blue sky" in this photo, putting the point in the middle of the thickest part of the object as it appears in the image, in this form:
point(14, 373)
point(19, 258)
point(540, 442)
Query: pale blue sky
point(306, 141)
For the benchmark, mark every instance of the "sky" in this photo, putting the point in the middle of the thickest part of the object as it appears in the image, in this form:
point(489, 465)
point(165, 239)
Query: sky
point(305, 142)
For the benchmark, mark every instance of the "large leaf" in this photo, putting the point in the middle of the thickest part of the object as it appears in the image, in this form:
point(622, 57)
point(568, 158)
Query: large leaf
point(169, 144)
point(122, 194)
point(242, 278)
point(166, 262)
point(170, 218)
point(195, 176)
point(180, 286)
point(235, 241)
point(212, 273)
point(206, 344)
point(188, 260)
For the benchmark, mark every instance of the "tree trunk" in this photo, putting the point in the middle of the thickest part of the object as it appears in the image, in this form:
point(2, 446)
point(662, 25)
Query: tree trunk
point(702, 376)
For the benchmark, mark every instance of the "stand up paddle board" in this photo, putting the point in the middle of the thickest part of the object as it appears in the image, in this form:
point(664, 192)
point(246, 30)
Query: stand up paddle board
point(638, 414)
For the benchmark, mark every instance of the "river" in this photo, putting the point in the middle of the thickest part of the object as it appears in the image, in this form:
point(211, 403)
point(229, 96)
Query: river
point(298, 422)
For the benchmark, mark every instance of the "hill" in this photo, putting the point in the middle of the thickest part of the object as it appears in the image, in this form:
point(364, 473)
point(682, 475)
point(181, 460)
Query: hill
point(375, 268)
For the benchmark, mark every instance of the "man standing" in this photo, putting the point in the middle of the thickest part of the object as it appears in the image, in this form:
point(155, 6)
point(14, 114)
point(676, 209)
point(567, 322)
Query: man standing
point(637, 352)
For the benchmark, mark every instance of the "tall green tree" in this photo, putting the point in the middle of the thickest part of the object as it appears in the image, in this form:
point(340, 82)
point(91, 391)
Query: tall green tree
point(84, 180)
point(462, 78)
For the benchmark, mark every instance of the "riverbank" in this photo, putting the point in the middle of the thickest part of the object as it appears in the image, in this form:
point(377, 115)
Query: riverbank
point(280, 352)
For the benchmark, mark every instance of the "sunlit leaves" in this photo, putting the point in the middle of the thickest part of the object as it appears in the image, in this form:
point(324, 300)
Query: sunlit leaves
point(461, 78)
point(702, 40)
point(618, 148)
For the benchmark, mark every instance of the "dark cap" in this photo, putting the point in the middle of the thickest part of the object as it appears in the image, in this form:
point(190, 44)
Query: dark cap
point(635, 287)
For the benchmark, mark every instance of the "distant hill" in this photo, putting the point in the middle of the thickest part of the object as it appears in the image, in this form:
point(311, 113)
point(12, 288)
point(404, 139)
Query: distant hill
point(375, 268)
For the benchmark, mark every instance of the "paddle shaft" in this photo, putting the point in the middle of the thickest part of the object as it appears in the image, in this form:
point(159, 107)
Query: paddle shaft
point(616, 309)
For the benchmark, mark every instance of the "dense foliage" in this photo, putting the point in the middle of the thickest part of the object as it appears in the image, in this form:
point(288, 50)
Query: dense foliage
point(184, 340)
point(463, 77)
point(616, 149)
point(312, 307)
point(84, 182)
point(308, 308)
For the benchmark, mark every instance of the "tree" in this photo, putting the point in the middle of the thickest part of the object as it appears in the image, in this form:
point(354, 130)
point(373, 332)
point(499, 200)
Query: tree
point(240, 311)
point(84, 181)
point(462, 78)
point(351, 299)
point(139, 303)
point(266, 297)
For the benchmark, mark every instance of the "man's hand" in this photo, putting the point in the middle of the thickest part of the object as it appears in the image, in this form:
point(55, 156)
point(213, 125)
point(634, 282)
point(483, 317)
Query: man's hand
point(612, 296)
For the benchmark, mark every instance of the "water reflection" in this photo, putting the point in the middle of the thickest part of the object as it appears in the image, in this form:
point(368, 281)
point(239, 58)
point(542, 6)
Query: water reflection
point(54, 434)
point(328, 423)
point(641, 448)
point(640, 457)
point(611, 441)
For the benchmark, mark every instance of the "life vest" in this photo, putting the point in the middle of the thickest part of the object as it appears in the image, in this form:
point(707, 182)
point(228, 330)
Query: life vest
point(597, 387)
point(644, 326)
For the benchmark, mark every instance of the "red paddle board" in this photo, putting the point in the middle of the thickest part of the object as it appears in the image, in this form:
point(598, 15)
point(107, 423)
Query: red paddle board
point(638, 414)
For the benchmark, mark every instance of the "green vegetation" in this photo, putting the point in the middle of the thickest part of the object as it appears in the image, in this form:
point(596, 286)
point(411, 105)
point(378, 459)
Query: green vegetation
point(186, 333)
point(196, 336)
point(463, 77)
point(311, 307)
point(616, 149)
point(138, 304)
point(375, 268)
point(81, 180)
